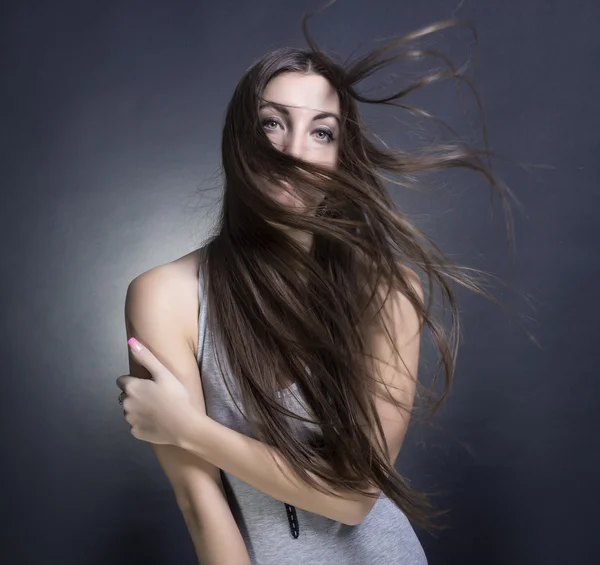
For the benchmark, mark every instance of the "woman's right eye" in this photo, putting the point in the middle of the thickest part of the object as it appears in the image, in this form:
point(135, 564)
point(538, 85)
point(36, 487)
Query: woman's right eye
point(268, 121)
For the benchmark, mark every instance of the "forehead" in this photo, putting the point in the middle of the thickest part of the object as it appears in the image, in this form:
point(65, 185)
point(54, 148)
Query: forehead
point(302, 91)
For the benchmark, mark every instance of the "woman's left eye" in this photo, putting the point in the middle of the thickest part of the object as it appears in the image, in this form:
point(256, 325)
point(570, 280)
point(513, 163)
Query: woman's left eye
point(327, 132)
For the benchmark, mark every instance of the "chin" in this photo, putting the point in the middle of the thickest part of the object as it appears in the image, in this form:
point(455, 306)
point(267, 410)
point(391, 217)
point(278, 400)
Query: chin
point(285, 195)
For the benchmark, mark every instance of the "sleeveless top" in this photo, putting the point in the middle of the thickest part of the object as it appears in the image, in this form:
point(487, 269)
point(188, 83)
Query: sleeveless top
point(279, 534)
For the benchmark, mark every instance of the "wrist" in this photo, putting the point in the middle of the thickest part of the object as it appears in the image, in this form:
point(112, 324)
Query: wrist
point(190, 435)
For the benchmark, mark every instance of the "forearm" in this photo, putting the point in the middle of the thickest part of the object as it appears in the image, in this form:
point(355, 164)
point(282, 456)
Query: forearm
point(214, 532)
point(256, 464)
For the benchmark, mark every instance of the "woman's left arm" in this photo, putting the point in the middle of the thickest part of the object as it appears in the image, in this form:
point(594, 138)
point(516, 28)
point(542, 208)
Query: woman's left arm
point(256, 463)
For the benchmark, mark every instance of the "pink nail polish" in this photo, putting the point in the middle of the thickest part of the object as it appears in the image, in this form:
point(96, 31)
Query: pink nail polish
point(134, 344)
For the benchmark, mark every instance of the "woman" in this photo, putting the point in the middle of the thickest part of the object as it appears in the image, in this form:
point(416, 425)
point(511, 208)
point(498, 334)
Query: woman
point(283, 354)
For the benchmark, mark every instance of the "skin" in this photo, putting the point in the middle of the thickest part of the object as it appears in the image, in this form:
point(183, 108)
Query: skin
point(301, 117)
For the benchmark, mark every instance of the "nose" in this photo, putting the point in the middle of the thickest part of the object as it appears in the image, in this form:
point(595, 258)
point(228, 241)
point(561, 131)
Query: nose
point(294, 145)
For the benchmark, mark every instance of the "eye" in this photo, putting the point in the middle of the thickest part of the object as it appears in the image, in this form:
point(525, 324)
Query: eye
point(270, 121)
point(327, 134)
point(323, 133)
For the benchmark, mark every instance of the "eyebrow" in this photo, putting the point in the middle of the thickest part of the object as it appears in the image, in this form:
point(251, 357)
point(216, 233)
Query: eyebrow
point(286, 112)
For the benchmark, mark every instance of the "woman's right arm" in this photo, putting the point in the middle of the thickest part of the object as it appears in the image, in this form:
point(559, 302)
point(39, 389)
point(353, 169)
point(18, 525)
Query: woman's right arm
point(153, 310)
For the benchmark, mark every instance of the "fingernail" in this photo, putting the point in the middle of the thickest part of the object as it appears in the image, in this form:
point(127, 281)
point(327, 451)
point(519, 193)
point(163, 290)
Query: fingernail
point(135, 344)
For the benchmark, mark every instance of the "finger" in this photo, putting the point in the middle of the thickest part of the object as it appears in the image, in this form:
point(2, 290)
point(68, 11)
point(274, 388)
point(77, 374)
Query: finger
point(124, 381)
point(120, 377)
point(145, 357)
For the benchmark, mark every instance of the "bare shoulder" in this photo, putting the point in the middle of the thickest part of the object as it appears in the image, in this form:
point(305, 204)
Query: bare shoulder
point(398, 308)
point(168, 292)
point(413, 279)
point(395, 303)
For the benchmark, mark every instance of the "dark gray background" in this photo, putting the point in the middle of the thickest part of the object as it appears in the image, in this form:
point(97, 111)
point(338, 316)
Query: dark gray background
point(111, 117)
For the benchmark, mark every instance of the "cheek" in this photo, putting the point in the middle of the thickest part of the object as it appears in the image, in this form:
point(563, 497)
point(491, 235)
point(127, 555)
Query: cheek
point(276, 139)
point(328, 157)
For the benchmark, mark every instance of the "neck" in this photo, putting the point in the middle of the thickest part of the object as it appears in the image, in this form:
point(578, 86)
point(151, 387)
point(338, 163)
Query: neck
point(302, 237)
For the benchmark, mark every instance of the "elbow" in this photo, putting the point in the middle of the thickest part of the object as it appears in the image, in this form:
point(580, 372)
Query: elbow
point(356, 521)
point(354, 518)
point(349, 519)
point(361, 511)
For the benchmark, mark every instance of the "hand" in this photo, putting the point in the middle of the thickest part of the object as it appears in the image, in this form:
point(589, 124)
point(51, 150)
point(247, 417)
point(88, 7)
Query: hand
point(159, 410)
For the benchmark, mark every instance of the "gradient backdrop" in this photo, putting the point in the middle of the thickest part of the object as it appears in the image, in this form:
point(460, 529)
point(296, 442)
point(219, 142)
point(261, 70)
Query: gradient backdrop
point(110, 133)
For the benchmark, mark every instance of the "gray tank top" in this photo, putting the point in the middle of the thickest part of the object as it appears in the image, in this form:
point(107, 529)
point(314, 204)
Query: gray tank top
point(276, 533)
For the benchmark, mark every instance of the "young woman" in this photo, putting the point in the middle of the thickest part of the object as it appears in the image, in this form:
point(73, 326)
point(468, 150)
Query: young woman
point(277, 370)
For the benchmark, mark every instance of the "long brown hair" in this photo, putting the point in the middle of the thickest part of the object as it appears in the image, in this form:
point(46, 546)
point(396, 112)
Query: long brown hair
point(284, 314)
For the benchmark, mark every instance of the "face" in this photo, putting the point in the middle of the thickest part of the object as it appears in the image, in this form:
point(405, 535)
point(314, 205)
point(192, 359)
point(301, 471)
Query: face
point(300, 115)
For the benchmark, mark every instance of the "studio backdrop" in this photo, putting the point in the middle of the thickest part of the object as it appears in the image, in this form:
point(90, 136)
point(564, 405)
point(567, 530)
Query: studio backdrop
point(110, 135)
